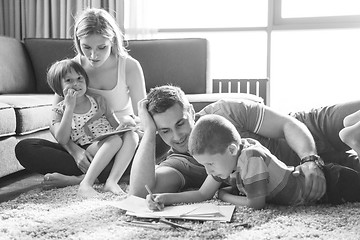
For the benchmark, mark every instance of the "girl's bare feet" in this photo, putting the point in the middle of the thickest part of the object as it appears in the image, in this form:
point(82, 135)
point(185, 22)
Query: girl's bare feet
point(58, 180)
point(87, 191)
point(113, 187)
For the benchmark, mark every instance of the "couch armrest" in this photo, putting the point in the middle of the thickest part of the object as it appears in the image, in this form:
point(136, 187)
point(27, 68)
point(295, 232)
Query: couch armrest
point(199, 101)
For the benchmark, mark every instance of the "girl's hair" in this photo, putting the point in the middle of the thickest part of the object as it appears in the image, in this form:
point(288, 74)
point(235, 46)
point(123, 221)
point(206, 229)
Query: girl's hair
point(98, 21)
point(59, 69)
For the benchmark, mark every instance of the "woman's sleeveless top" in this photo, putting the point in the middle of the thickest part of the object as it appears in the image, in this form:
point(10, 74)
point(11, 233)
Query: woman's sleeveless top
point(118, 98)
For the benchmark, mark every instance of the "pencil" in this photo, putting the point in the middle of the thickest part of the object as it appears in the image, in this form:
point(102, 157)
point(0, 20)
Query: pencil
point(152, 197)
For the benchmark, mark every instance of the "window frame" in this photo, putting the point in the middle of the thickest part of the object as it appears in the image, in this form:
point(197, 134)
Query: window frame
point(350, 21)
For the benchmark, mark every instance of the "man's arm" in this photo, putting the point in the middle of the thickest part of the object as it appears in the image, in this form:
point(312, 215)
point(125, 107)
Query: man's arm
point(299, 138)
point(164, 179)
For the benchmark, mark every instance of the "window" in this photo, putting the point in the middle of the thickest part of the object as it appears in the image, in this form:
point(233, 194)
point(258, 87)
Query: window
point(235, 29)
point(319, 8)
point(309, 49)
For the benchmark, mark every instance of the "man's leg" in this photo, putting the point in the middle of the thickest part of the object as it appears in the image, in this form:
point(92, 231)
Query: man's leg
point(325, 124)
point(342, 183)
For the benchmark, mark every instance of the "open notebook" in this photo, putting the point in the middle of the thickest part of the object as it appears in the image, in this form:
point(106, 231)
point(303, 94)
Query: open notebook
point(118, 131)
point(136, 206)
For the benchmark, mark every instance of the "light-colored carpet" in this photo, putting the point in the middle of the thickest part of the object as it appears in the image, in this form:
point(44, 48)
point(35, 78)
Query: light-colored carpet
point(60, 214)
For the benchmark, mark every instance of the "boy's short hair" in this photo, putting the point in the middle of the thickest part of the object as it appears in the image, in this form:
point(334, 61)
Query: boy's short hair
point(212, 134)
point(59, 69)
point(164, 97)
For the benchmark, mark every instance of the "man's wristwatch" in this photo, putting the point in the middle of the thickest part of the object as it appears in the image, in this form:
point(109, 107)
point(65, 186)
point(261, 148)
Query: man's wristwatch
point(313, 158)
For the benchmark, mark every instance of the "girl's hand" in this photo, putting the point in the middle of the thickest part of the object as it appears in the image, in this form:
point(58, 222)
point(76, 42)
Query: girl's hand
point(155, 202)
point(82, 159)
point(70, 98)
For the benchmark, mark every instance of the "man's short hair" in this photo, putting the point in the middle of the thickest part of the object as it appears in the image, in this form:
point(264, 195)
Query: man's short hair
point(212, 134)
point(164, 97)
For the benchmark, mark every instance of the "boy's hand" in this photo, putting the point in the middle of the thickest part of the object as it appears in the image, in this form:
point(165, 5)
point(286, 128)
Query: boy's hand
point(156, 203)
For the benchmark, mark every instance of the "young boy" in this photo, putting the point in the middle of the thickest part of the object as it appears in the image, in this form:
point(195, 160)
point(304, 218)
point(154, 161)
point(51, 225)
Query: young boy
point(250, 168)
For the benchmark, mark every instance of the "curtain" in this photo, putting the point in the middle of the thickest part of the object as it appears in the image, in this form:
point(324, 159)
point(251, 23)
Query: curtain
point(48, 18)
point(138, 24)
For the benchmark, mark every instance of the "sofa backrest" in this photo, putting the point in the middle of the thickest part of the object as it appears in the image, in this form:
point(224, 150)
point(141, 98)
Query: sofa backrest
point(43, 52)
point(181, 62)
point(16, 73)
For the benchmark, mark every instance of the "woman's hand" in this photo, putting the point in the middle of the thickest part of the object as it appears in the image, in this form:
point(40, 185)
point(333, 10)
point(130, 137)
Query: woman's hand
point(315, 183)
point(126, 121)
point(155, 202)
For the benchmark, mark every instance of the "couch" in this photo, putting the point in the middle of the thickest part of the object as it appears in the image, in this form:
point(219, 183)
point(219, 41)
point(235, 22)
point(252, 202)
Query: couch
point(25, 98)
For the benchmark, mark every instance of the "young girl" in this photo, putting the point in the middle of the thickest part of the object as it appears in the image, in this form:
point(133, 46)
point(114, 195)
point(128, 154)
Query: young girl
point(112, 74)
point(82, 117)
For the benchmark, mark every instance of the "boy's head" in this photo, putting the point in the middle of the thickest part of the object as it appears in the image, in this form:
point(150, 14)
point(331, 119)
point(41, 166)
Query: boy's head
point(59, 70)
point(173, 115)
point(214, 142)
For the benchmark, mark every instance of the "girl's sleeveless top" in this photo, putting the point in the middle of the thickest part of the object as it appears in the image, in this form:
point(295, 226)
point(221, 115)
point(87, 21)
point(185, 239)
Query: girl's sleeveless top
point(118, 99)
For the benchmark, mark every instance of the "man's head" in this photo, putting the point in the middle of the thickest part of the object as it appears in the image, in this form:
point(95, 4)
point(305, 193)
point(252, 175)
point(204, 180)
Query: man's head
point(214, 142)
point(172, 114)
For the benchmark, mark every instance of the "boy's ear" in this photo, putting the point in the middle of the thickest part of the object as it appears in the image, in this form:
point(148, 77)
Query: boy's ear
point(233, 149)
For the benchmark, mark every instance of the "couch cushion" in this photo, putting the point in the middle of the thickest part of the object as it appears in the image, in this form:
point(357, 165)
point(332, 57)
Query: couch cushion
point(32, 111)
point(16, 74)
point(45, 51)
point(7, 120)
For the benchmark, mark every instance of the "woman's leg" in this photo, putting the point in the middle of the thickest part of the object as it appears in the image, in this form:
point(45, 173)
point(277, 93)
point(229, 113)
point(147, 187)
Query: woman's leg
point(53, 161)
point(43, 156)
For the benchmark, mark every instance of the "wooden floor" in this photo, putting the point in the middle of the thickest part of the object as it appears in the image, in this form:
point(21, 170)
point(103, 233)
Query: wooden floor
point(15, 184)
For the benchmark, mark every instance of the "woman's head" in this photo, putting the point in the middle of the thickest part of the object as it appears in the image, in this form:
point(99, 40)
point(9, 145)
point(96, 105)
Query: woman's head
point(67, 73)
point(95, 21)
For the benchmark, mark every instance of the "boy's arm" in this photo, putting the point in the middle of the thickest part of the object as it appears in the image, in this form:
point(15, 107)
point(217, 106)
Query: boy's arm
point(206, 192)
point(256, 203)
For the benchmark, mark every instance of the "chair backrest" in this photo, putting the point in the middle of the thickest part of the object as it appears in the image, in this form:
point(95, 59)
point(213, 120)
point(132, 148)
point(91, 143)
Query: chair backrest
point(258, 87)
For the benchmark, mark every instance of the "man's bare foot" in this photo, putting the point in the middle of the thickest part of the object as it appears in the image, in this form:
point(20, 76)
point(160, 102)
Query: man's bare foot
point(350, 136)
point(87, 191)
point(113, 187)
point(58, 180)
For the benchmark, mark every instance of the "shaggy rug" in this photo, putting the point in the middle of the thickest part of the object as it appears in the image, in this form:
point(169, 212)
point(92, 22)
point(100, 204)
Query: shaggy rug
point(61, 214)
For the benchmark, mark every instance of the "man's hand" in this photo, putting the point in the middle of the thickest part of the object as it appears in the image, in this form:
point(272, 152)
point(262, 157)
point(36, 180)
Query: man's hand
point(315, 183)
point(147, 122)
